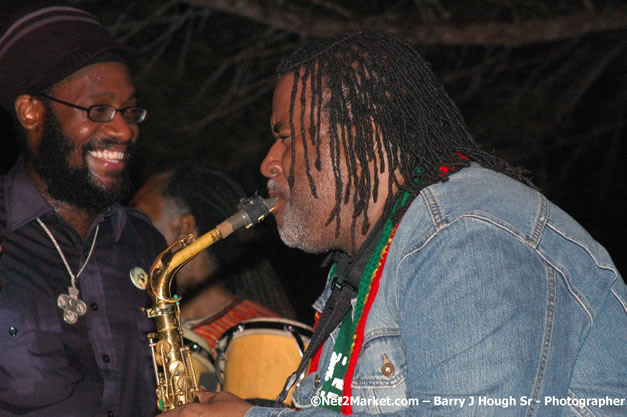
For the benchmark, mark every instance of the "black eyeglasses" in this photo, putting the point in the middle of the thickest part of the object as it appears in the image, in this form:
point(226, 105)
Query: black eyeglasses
point(106, 112)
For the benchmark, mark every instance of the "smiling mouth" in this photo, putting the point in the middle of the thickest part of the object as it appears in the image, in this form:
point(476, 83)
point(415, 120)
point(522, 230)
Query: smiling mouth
point(108, 155)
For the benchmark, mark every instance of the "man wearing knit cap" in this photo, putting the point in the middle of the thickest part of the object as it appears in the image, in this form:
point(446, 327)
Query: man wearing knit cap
point(72, 335)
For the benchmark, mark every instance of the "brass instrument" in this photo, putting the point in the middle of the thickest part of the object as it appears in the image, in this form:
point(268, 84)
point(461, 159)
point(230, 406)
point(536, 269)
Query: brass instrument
point(174, 372)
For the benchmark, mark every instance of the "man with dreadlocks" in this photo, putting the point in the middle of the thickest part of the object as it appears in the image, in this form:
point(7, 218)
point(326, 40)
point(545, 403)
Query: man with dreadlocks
point(457, 288)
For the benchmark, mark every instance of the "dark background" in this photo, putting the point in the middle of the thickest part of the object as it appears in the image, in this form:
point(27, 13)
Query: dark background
point(542, 83)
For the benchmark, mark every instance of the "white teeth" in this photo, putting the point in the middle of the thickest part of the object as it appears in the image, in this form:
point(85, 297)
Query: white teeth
point(112, 156)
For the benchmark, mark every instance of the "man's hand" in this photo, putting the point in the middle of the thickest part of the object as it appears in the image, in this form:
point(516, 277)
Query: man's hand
point(221, 404)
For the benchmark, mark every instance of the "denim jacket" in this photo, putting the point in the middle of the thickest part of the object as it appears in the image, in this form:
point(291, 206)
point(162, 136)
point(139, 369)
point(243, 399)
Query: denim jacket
point(492, 302)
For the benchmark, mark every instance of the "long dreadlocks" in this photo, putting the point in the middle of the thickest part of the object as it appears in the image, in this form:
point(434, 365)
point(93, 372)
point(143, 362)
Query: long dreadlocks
point(376, 86)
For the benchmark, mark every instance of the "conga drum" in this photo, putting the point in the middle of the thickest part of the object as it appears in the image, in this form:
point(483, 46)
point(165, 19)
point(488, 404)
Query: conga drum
point(255, 357)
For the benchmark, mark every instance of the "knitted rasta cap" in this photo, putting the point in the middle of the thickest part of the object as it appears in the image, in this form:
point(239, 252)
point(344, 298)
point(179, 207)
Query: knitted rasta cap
point(41, 43)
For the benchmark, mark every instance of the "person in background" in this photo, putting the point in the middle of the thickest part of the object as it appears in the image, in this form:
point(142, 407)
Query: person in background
point(458, 289)
point(72, 339)
point(230, 281)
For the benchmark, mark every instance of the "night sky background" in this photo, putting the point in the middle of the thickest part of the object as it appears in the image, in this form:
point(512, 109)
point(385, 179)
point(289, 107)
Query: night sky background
point(541, 83)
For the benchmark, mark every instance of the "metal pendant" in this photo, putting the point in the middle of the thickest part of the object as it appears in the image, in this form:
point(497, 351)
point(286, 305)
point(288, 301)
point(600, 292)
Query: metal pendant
point(71, 305)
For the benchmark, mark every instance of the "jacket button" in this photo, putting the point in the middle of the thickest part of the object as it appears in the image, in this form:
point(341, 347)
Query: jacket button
point(388, 368)
point(12, 331)
point(106, 358)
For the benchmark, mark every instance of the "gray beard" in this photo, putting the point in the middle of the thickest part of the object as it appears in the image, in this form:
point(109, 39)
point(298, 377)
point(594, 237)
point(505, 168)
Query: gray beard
point(294, 234)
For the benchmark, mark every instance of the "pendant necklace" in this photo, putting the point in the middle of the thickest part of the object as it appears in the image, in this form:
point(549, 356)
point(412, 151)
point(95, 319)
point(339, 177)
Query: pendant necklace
point(71, 305)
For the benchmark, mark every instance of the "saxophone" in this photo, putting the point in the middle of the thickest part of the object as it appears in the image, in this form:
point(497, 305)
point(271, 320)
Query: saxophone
point(174, 373)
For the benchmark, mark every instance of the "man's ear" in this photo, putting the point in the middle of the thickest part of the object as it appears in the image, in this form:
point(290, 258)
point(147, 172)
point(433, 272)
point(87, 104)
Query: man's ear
point(30, 112)
point(187, 225)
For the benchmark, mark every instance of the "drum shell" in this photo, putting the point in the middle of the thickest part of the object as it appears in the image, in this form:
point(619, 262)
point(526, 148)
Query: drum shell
point(256, 357)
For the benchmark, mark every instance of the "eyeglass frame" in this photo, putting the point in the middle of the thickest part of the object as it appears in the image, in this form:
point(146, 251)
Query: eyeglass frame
point(89, 109)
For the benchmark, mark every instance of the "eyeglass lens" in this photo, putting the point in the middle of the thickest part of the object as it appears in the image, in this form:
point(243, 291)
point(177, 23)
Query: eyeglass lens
point(106, 113)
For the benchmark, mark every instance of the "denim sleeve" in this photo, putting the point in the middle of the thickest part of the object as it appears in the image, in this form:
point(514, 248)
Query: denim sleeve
point(476, 310)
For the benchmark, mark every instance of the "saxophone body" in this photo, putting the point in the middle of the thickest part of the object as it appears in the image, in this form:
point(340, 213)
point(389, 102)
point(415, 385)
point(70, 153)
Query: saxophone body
point(174, 373)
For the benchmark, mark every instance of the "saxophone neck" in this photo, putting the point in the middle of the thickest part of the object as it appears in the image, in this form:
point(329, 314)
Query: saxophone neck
point(163, 269)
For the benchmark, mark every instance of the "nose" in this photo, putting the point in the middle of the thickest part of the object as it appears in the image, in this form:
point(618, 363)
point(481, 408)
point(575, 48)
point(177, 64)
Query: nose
point(271, 166)
point(119, 128)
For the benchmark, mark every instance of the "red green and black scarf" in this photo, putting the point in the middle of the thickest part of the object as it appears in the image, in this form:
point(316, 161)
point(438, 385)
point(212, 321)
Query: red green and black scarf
point(338, 376)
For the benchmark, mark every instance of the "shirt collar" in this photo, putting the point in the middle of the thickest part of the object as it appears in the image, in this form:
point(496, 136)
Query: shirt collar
point(24, 203)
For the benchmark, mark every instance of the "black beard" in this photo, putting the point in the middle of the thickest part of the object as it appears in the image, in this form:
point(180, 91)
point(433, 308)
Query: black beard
point(73, 185)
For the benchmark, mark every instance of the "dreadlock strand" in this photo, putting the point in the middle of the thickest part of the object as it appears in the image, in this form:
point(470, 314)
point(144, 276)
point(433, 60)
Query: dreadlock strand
point(303, 102)
point(318, 92)
point(315, 120)
point(290, 180)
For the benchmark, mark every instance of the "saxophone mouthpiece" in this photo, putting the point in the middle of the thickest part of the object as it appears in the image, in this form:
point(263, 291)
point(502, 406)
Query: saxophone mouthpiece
point(252, 210)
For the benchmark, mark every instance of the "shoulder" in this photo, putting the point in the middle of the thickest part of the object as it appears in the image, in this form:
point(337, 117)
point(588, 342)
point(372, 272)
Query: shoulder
point(501, 203)
point(476, 194)
point(481, 219)
point(476, 209)
point(476, 190)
